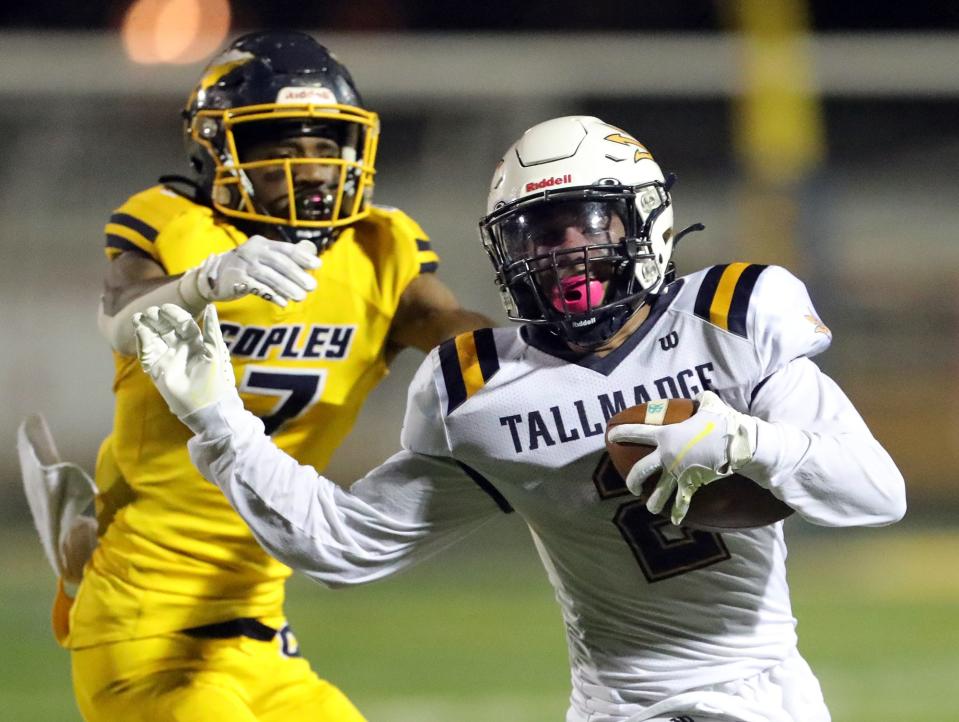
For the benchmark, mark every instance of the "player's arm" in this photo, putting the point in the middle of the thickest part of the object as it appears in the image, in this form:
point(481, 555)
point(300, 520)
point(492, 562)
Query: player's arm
point(401, 512)
point(815, 452)
point(129, 276)
point(273, 270)
point(428, 314)
point(813, 449)
point(800, 436)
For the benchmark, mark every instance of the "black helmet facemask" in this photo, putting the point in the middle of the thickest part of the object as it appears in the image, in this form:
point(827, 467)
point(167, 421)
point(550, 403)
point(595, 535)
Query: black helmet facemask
point(568, 260)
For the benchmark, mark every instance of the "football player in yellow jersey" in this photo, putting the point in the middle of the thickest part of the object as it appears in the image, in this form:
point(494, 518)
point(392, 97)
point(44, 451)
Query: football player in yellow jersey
point(179, 614)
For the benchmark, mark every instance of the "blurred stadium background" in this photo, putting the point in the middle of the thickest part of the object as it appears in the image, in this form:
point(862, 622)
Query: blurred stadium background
point(822, 136)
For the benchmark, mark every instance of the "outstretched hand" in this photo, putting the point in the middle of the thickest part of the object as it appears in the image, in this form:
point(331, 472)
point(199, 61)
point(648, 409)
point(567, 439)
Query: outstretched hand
point(275, 271)
point(189, 366)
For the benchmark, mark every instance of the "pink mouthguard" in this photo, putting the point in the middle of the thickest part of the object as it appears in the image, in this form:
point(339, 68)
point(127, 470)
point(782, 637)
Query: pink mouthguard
point(574, 294)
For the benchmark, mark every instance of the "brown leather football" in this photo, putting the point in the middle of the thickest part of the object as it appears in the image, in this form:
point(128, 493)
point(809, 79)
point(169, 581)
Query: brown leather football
point(727, 504)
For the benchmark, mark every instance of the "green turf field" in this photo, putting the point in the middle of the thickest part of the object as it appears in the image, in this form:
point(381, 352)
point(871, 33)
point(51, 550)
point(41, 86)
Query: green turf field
point(475, 636)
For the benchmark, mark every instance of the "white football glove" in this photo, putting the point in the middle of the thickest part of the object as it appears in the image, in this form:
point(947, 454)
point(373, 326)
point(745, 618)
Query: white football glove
point(58, 494)
point(272, 270)
point(190, 368)
point(712, 443)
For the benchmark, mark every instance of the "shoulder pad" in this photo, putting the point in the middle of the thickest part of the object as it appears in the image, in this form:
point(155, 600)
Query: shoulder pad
point(407, 233)
point(767, 305)
point(783, 323)
point(724, 295)
point(468, 362)
point(135, 225)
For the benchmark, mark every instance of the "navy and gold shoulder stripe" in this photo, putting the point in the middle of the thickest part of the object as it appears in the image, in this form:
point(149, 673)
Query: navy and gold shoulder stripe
point(128, 233)
point(468, 362)
point(136, 225)
point(723, 297)
point(429, 261)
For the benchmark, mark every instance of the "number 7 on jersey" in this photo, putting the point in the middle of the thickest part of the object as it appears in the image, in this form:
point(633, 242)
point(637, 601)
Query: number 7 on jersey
point(296, 390)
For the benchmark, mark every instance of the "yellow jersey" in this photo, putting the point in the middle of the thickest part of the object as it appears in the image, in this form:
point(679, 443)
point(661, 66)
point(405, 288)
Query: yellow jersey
point(173, 554)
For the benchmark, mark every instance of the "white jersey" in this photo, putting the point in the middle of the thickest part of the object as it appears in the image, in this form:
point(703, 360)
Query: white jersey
point(506, 420)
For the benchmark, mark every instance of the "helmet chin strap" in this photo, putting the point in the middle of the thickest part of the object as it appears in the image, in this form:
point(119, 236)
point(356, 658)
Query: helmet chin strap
point(590, 331)
point(322, 238)
point(589, 336)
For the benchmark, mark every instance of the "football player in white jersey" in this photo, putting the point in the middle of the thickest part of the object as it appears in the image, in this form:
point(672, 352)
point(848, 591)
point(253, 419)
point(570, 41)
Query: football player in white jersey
point(663, 621)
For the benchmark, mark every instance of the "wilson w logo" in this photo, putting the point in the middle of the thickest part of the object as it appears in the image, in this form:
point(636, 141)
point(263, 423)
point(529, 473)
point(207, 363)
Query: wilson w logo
point(670, 340)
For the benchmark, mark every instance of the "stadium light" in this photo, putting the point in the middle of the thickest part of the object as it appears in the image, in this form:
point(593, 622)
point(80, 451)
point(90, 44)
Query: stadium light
point(174, 31)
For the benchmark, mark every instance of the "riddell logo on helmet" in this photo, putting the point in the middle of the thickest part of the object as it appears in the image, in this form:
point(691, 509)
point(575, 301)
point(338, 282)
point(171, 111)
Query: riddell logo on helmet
point(549, 182)
point(306, 96)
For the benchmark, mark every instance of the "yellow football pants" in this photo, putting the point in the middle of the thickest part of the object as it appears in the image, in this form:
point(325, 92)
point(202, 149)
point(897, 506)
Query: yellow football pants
point(177, 678)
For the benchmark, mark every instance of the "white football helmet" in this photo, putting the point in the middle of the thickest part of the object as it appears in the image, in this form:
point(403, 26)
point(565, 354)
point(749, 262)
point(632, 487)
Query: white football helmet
point(579, 228)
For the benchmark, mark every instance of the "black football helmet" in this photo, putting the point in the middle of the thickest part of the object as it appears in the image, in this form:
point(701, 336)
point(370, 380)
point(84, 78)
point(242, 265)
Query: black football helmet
point(267, 87)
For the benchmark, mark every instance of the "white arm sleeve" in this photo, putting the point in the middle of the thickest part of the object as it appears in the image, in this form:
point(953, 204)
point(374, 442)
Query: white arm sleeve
point(400, 513)
point(817, 455)
point(118, 328)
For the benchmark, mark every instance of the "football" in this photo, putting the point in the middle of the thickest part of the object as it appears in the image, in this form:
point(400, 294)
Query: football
point(727, 504)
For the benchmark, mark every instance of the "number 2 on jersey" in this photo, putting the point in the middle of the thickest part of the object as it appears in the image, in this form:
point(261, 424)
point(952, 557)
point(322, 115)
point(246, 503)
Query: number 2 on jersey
point(297, 390)
point(661, 549)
